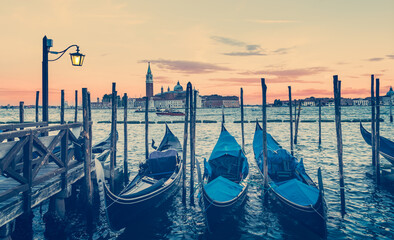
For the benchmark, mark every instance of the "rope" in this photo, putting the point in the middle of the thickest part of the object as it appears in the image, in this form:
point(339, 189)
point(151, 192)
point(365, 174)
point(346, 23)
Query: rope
point(317, 212)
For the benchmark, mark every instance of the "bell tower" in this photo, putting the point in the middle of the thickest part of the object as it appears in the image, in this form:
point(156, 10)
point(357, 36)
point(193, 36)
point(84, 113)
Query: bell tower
point(149, 82)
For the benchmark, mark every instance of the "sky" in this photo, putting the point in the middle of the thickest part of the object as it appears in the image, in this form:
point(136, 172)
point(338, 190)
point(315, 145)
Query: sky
point(217, 45)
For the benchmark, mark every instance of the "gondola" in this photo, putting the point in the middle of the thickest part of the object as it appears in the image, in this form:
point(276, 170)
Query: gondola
point(386, 146)
point(225, 180)
point(157, 180)
point(290, 187)
point(104, 144)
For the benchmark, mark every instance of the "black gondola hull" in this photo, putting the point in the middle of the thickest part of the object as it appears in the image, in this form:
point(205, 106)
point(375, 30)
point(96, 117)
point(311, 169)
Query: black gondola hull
point(122, 212)
point(386, 146)
point(218, 212)
point(312, 217)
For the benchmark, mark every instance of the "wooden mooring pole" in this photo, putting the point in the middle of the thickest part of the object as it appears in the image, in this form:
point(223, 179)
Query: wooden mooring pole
point(242, 120)
point(146, 127)
point(373, 119)
point(319, 122)
point(185, 135)
point(297, 121)
point(377, 133)
point(90, 119)
point(191, 103)
point(21, 112)
point(62, 107)
point(87, 156)
point(37, 99)
point(291, 123)
point(391, 107)
point(223, 120)
point(125, 166)
point(337, 99)
point(265, 153)
point(113, 138)
point(76, 106)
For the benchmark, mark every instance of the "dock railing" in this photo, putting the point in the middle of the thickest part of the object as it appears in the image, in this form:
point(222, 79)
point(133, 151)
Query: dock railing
point(22, 158)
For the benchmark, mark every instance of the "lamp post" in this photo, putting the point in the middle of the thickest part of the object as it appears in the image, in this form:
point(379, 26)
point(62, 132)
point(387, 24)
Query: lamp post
point(76, 60)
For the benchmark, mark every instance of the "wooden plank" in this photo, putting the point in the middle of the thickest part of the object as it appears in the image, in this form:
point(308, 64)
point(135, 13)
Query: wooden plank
point(25, 132)
point(48, 151)
point(13, 207)
point(14, 175)
point(10, 210)
point(7, 127)
point(27, 174)
point(11, 154)
point(13, 192)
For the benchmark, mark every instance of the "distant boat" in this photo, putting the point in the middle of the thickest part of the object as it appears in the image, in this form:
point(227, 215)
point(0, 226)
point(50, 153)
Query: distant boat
point(157, 180)
point(225, 177)
point(386, 146)
point(290, 187)
point(140, 110)
point(170, 113)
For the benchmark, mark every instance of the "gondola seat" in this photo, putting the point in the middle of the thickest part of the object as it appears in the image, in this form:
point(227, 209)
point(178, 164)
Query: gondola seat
point(162, 162)
point(146, 185)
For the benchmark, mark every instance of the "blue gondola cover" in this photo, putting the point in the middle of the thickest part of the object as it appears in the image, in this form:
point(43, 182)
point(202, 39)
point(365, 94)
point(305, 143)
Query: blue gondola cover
point(221, 189)
point(298, 192)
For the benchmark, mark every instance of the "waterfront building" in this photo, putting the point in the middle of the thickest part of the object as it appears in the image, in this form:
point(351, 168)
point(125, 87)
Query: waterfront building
point(217, 101)
point(173, 99)
point(389, 97)
point(361, 102)
point(308, 103)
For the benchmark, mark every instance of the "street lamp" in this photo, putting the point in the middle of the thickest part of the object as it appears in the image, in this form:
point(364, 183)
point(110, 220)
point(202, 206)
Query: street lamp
point(76, 60)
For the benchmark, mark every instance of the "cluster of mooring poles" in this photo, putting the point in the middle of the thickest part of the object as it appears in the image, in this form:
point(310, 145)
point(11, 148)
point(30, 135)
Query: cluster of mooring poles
point(338, 126)
point(190, 117)
point(375, 126)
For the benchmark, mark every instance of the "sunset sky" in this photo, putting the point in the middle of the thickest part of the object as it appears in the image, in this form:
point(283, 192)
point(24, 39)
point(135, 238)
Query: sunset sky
point(219, 46)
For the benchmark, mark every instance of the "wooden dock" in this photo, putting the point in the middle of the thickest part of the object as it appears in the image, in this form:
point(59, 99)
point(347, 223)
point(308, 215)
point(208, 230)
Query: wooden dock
point(37, 162)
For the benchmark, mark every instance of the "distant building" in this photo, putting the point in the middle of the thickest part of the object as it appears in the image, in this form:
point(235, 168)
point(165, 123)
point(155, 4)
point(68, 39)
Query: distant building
point(389, 97)
point(361, 102)
point(149, 82)
point(173, 99)
point(308, 103)
point(217, 101)
point(100, 105)
point(346, 102)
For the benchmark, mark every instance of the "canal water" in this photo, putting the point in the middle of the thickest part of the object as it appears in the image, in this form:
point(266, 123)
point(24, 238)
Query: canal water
point(370, 209)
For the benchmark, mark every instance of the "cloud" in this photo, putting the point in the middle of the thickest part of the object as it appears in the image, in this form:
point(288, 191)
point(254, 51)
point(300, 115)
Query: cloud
point(163, 80)
point(375, 59)
point(250, 49)
point(255, 53)
point(266, 21)
point(282, 50)
point(190, 67)
point(228, 41)
point(255, 81)
point(390, 56)
point(288, 75)
point(253, 47)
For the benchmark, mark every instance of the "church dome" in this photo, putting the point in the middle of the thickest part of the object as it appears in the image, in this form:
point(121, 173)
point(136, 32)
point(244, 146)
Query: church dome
point(390, 92)
point(178, 87)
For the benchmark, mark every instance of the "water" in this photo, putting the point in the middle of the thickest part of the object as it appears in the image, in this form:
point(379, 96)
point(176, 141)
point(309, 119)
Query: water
point(369, 208)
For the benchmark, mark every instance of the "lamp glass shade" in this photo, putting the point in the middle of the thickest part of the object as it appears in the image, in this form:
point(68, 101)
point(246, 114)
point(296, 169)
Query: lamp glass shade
point(77, 59)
